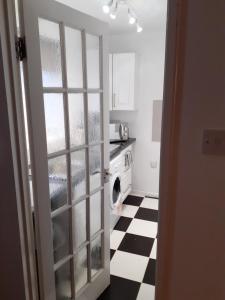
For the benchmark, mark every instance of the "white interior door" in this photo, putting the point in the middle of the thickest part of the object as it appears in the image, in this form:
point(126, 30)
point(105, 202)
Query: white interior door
point(67, 71)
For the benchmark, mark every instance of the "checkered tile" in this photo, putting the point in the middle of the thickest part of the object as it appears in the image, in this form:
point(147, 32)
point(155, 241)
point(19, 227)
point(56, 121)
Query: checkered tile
point(133, 251)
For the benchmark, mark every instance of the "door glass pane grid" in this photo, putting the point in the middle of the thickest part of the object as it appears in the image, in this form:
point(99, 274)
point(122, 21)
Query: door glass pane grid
point(79, 224)
point(50, 50)
point(94, 118)
point(78, 175)
point(76, 119)
point(58, 234)
point(54, 122)
point(96, 255)
point(101, 62)
point(77, 165)
point(90, 154)
point(96, 167)
point(69, 151)
point(93, 61)
point(58, 182)
point(74, 57)
point(63, 281)
point(62, 233)
point(87, 157)
point(81, 269)
point(102, 165)
point(96, 205)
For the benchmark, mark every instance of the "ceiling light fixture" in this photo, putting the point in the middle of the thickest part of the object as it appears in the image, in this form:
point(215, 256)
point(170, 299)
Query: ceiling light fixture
point(113, 13)
point(106, 7)
point(132, 19)
point(111, 8)
point(139, 28)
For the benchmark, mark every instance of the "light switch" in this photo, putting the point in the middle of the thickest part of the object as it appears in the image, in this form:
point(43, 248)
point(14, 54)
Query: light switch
point(214, 142)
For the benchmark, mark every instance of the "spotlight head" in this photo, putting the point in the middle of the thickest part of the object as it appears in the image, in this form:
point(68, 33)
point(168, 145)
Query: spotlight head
point(113, 15)
point(106, 9)
point(139, 28)
point(132, 20)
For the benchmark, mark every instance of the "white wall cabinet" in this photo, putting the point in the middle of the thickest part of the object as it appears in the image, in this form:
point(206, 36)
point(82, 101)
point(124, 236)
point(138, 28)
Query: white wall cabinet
point(122, 81)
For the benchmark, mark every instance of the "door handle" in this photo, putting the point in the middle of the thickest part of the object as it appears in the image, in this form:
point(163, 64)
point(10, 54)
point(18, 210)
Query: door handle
point(107, 175)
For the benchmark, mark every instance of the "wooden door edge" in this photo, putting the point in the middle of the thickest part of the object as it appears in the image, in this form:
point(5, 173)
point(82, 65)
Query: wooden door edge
point(173, 89)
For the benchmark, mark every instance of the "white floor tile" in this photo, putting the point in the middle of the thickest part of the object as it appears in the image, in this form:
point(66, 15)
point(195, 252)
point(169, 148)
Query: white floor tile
point(129, 266)
point(150, 203)
point(146, 292)
point(116, 238)
point(143, 228)
point(154, 249)
point(128, 211)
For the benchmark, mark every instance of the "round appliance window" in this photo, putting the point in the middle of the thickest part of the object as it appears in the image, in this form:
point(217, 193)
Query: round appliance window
point(116, 190)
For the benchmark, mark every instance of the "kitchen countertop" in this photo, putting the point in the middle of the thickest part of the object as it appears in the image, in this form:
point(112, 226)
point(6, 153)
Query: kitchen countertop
point(116, 148)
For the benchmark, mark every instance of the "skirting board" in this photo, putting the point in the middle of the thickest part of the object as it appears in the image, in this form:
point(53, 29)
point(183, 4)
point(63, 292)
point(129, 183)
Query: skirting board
point(145, 194)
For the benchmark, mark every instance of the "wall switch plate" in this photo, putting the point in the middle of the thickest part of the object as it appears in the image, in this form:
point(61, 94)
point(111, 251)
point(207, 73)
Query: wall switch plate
point(214, 142)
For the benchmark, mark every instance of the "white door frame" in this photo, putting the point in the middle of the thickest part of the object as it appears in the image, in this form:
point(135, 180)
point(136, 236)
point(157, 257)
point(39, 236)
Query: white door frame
point(174, 63)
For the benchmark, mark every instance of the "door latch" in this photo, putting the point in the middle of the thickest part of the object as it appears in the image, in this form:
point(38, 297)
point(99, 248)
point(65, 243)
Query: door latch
point(107, 175)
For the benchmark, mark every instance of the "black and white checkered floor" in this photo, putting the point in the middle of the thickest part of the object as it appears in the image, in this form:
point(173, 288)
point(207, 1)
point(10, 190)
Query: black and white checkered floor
point(133, 251)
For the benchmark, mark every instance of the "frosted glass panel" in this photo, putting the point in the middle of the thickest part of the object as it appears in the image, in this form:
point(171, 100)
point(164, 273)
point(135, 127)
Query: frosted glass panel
point(95, 167)
point(81, 269)
point(50, 53)
point(57, 174)
point(63, 282)
point(95, 212)
point(78, 167)
point(79, 219)
point(93, 70)
point(76, 116)
point(94, 118)
point(96, 256)
point(60, 227)
point(74, 57)
point(54, 122)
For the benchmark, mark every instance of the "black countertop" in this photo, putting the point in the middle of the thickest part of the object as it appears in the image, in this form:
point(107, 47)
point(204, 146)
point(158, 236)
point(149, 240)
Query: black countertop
point(118, 147)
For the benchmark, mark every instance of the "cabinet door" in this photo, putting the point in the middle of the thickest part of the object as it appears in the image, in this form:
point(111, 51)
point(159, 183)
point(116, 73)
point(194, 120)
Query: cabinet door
point(123, 81)
point(110, 81)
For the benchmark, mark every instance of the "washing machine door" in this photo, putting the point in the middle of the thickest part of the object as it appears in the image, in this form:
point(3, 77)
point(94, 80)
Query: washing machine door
point(115, 190)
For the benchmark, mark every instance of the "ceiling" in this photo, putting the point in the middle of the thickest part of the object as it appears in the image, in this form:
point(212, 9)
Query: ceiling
point(151, 13)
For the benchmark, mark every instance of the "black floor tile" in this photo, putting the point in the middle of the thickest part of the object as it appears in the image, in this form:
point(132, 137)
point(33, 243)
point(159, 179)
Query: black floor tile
point(149, 277)
point(136, 244)
point(121, 289)
point(147, 214)
point(112, 252)
point(133, 200)
point(123, 224)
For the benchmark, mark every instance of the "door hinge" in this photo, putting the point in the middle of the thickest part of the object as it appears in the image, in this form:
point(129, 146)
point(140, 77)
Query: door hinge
point(21, 52)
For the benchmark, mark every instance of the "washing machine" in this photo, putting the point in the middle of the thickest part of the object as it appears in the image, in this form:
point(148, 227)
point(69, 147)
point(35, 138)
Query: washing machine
point(116, 166)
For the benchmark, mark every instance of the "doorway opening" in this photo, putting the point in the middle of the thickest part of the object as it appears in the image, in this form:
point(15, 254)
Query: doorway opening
point(76, 144)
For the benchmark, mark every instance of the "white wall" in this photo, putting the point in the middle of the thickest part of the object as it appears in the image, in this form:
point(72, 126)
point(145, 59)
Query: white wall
point(150, 49)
